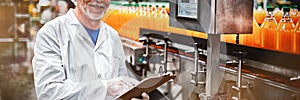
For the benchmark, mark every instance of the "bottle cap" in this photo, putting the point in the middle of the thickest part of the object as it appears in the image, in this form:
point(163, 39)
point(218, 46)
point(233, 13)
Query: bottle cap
point(294, 6)
point(285, 5)
point(286, 9)
point(260, 4)
point(144, 5)
point(269, 8)
point(136, 5)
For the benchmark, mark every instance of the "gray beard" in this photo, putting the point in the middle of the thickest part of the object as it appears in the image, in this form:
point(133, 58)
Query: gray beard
point(89, 15)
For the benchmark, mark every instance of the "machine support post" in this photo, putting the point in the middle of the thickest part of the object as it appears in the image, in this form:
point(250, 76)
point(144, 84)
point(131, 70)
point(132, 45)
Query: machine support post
point(196, 65)
point(166, 56)
point(213, 73)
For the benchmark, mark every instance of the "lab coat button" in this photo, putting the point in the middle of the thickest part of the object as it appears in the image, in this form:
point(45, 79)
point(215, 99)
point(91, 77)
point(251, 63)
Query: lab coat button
point(99, 76)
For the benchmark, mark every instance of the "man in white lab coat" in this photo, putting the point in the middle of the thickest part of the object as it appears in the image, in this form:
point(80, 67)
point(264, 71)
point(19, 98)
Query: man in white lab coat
point(79, 57)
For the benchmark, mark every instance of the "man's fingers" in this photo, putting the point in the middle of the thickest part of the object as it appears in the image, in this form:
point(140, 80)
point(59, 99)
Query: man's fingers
point(145, 96)
point(135, 99)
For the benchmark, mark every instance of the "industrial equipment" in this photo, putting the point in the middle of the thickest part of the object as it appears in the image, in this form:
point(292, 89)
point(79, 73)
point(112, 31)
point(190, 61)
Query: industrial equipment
point(209, 65)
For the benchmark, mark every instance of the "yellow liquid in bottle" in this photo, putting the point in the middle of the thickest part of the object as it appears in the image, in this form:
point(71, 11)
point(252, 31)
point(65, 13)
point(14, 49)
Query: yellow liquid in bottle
point(278, 15)
point(284, 36)
point(296, 46)
point(294, 15)
point(259, 15)
point(268, 32)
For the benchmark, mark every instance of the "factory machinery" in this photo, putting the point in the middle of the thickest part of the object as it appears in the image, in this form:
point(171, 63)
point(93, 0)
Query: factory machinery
point(205, 67)
point(208, 65)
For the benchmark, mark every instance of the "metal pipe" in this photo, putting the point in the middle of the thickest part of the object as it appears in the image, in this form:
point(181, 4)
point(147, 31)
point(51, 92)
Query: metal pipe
point(239, 83)
point(196, 64)
point(295, 78)
point(165, 56)
point(239, 72)
point(147, 46)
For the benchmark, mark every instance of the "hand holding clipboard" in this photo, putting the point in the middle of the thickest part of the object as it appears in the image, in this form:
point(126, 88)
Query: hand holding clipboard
point(147, 85)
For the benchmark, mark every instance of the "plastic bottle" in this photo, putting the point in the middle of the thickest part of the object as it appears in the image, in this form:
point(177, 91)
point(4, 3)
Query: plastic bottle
point(157, 11)
point(143, 11)
point(259, 14)
point(125, 13)
point(163, 17)
point(277, 13)
point(249, 39)
point(285, 31)
point(31, 6)
point(148, 10)
point(153, 10)
point(136, 9)
point(296, 38)
point(294, 13)
point(168, 10)
point(151, 15)
point(268, 30)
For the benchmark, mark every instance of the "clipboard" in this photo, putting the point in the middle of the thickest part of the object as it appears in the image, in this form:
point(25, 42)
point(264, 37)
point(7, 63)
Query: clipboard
point(147, 85)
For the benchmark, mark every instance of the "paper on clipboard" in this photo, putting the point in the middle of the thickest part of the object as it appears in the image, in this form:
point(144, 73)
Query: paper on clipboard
point(147, 85)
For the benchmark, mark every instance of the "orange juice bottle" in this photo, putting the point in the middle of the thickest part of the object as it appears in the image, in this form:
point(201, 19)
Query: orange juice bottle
point(296, 46)
point(284, 33)
point(298, 17)
point(163, 11)
point(255, 38)
point(168, 10)
point(148, 10)
point(30, 8)
point(268, 30)
point(143, 10)
point(153, 9)
point(164, 18)
point(277, 13)
point(294, 13)
point(150, 16)
point(259, 14)
point(126, 13)
point(158, 9)
point(136, 9)
point(249, 39)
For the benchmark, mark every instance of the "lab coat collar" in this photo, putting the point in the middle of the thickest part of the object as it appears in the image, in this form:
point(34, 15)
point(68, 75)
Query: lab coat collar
point(77, 28)
point(103, 34)
point(73, 19)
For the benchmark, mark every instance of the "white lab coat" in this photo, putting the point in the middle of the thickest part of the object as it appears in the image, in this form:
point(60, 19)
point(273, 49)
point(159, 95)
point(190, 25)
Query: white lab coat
point(67, 65)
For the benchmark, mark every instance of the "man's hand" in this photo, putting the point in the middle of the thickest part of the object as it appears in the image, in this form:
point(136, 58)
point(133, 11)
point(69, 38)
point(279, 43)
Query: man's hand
point(116, 86)
point(144, 95)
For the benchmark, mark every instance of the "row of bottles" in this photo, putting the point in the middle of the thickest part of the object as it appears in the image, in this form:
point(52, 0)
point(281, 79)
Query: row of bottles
point(260, 13)
point(282, 35)
point(145, 10)
point(128, 19)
